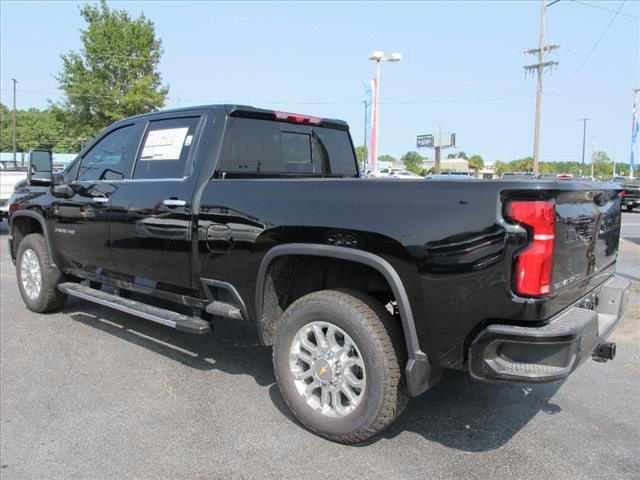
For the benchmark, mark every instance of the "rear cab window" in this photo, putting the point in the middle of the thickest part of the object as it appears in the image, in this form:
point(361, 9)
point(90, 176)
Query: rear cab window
point(271, 148)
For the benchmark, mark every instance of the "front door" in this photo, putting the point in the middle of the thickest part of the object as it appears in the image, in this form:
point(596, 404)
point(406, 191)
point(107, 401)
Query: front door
point(151, 212)
point(80, 224)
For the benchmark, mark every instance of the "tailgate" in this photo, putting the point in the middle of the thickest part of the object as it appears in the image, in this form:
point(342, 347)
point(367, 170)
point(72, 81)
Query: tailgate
point(587, 226)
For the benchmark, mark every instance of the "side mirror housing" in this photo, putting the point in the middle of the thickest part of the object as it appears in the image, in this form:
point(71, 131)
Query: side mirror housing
point(62, 191)
point(40, 167)
point(57, 179)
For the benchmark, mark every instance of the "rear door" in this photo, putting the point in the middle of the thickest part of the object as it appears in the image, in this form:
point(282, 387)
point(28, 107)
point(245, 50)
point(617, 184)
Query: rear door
point(151, 211)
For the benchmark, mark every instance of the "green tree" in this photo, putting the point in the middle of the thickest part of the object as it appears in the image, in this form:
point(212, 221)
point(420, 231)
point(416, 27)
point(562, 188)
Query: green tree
point(361, 153)
point(34, 129)
point(412, 162)
point(476, 163)
point(459, 154)
point(114, 75)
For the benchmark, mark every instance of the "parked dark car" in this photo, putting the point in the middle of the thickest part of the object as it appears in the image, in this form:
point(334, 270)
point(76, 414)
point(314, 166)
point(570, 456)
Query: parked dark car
point(631, 193)
point(450, 176)
point(565, 176)
point(517, 176)
point(367, 290)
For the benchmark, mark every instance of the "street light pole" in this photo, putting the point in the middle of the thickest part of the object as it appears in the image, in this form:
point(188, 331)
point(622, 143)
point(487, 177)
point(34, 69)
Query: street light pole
point(376, 117)
point(378, 57)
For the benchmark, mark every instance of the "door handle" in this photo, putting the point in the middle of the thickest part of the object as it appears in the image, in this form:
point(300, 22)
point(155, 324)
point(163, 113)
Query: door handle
point(173, 202)
point(100, 200)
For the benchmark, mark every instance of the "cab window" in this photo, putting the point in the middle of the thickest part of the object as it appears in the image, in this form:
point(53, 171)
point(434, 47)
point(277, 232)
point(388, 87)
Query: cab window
point(107, 160)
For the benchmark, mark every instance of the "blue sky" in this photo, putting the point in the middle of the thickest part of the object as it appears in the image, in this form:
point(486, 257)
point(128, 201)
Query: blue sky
point(462, 65)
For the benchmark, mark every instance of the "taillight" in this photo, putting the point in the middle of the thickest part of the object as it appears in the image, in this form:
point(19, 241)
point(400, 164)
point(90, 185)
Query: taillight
point(14, 206)
point(623, 193)
point(534, 264)
point(296, 118)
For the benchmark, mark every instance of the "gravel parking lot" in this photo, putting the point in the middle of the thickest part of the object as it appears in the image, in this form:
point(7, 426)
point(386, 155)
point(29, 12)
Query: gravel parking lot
point(93, 393)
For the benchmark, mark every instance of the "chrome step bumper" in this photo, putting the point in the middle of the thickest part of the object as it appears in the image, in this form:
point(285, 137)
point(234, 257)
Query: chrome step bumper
point(550, 352)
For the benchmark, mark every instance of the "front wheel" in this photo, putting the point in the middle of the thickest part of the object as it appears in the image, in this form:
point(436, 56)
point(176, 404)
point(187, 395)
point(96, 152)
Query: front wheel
point(339, 359)
point(37, 278)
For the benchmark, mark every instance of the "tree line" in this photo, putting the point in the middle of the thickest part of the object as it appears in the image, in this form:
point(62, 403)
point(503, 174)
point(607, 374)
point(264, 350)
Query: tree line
point(603, 165)
point(114, 75)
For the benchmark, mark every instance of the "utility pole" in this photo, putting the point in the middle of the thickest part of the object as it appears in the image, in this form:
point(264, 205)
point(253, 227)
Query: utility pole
point(539, 68)
point(584, 138)
point(593, 154)
point(615, 154)
point(14, 120)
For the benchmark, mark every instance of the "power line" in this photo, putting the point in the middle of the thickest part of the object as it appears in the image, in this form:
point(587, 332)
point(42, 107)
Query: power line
point(595, 45)
point(305, 102)
point(598, 7)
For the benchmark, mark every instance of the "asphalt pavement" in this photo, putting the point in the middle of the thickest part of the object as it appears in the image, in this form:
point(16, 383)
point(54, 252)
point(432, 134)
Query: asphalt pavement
point(93, 393)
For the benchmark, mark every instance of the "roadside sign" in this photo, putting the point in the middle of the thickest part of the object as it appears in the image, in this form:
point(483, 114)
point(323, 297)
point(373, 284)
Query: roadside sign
point(424, 141)
point(445, 140)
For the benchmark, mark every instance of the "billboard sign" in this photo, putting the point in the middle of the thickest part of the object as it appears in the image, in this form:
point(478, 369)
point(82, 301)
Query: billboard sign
point(424, 141)
point(445, 140)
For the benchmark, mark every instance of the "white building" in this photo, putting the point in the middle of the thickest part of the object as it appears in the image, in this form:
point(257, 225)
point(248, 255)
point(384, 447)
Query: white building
point(448, 165)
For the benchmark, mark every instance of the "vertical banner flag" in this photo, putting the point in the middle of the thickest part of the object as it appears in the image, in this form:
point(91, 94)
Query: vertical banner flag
point(369, 92)
point(634, 133)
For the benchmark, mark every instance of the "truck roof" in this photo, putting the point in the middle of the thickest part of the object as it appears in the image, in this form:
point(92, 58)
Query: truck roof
point(249, 111)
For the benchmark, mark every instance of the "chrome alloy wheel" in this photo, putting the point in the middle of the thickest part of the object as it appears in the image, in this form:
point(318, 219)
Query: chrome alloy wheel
point(327, 368)
point(31, 274)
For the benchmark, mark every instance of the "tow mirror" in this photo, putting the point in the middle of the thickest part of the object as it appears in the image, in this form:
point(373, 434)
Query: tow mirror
point(40, 167)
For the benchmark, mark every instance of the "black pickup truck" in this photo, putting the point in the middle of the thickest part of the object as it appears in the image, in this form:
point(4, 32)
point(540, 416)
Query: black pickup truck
point(366, 288)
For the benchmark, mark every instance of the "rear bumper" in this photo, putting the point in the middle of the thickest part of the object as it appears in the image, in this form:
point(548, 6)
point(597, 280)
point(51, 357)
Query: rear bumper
point(551, 352)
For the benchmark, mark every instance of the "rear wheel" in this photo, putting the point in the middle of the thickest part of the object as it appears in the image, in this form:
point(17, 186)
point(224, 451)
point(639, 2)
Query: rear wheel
point(339, 360)
point(629, 208)
point(37, 278)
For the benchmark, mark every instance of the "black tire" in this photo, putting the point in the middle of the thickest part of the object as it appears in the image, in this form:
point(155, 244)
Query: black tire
point(49, 298)
point(378, 337)
point(629, 208)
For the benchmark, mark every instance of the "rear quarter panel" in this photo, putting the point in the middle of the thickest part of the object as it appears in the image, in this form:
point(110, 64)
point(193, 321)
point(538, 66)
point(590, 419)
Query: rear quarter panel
point(446, 240)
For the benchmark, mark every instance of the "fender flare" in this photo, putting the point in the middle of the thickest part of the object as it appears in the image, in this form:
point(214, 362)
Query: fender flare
point(45, 231)
point(357, 256)
point(420, 374)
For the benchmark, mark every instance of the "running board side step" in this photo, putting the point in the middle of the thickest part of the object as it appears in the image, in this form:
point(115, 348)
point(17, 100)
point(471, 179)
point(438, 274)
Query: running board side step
point(171, 319)
point(222, 309)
